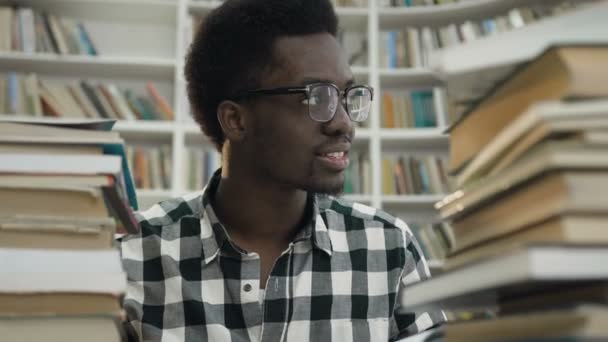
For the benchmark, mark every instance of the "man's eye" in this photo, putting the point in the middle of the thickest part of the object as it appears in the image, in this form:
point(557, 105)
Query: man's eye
point(313, 100)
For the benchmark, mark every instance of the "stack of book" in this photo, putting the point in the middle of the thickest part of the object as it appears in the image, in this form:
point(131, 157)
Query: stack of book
point(64, 193)
point(23, 29)
point(529, 219)
point(30, 95)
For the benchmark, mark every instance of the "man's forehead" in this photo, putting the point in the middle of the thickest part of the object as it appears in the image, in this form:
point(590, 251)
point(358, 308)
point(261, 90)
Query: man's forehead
point(309, 58)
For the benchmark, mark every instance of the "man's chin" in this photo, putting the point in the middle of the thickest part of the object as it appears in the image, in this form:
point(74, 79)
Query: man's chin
point(326, 188)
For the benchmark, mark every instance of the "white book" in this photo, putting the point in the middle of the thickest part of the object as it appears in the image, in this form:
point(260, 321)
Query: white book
point(516, 19)
point(26, 26)
point(481, 284)
point(121, 103)
point(3, 94)
point(6, 14)
point(32, 92)
point(61, 164)
point(414, 47)
point(43, 270)
point(39, 133)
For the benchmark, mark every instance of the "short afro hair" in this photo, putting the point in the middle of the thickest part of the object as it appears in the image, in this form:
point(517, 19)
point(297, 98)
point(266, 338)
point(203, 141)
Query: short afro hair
point(234, 45)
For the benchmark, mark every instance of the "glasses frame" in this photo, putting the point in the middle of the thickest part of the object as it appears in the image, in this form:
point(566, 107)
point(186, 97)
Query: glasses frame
point(307, 90)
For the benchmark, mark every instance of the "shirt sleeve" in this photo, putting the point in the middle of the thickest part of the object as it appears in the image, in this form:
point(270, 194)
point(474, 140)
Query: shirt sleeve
point(132, 307)
point(406, 322)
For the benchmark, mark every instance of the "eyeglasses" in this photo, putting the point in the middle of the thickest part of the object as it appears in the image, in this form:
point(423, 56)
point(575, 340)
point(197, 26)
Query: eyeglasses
point(323, 99)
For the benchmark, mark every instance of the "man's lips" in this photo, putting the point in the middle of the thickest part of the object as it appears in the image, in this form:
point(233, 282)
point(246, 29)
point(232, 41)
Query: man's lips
point(337, 161)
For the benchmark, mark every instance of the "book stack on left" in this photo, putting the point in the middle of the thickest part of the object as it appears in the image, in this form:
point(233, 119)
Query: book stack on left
point(64, 193)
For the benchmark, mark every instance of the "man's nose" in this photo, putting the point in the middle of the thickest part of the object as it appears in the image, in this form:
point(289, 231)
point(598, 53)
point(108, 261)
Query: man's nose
point(340, 124)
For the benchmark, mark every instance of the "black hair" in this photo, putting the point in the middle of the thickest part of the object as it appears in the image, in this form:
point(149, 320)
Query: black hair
point(234, 46)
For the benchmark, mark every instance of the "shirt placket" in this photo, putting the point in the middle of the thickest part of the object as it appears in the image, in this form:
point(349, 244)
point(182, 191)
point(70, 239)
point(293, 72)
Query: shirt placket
point(277, 289)
point(250, 295)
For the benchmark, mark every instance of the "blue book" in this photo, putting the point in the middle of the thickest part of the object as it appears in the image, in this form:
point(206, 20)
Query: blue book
point(424, 176)
point(418, 109)
point(392, 49)
point(13, 92)
point(85, 40)
point(489, 26)
point(429, 116)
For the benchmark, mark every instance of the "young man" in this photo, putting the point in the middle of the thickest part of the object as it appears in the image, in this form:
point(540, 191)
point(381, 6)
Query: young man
point(265, 253)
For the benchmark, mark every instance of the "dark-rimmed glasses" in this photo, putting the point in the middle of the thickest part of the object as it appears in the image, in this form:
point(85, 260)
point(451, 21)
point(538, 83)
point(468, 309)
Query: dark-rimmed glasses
point(323, 99)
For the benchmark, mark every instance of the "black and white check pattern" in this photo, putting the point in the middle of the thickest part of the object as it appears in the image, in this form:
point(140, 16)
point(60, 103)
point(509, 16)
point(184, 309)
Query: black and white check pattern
point(337, 281)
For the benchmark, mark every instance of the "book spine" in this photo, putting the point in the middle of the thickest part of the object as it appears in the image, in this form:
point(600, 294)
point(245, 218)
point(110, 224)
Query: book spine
point(50, 35)
point(13, 92)
point(160, 102)
point(90, 93)
point(85, 40)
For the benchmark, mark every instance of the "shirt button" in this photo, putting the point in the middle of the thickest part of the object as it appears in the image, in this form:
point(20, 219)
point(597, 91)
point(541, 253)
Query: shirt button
point(247, 287)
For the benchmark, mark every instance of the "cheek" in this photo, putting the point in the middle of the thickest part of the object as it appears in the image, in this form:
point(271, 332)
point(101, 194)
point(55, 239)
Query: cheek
point(289, 146)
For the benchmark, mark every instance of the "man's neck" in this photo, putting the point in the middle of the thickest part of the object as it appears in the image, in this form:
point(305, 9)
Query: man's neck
point(257, 211)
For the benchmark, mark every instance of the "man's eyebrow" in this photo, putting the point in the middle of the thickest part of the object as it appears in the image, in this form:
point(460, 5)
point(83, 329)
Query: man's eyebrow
point(310, 80)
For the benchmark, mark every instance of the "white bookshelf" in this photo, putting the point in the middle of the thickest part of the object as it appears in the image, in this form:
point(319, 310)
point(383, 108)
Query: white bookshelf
point(145, 40)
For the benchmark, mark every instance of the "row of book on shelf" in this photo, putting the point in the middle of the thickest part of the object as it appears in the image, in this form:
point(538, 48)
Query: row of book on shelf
point(26, 30)
point(65, 193)
point(29, 94)
point(435, 239)
point(409, 109)
point(414, 175)
point(201, 164)
point(357, 176)
point(412, 47)
point(151, 166)
point(528, 218)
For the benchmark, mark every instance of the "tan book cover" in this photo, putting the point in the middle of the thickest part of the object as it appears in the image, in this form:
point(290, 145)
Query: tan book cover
point(559, 73)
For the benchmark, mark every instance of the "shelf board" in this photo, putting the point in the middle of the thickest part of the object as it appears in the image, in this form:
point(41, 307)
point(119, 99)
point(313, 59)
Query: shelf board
point(157, 12)
point(441, 15)
point(147, 198)
point(89, 66)
point(352, 18)
point(408, 77)
point(436, 264)
point(152, 127)
point(413, 200)
point(153, 193)
point(413, 139)
point(471, 69)
point(363, 198)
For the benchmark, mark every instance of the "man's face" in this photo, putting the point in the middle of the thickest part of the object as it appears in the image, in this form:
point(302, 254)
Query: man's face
point(290, 148)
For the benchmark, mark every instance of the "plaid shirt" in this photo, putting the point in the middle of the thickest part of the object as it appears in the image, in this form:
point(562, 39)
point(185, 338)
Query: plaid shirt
point(337, 281)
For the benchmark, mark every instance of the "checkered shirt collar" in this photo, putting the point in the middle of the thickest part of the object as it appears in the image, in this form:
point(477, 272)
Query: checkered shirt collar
point(215, 237)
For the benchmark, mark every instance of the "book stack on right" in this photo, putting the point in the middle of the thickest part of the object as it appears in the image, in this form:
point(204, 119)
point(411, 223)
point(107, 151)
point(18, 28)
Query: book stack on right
point(64, 193)
point(530, 218)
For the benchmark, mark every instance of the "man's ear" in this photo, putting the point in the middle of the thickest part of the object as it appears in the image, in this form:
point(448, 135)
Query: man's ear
point(232, 119)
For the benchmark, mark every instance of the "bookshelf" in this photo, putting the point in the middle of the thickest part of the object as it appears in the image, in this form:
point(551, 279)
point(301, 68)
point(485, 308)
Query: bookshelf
point(146, 40)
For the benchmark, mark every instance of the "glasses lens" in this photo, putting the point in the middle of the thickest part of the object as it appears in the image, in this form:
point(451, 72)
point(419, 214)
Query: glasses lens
point(323, 102)
point(359, 103)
